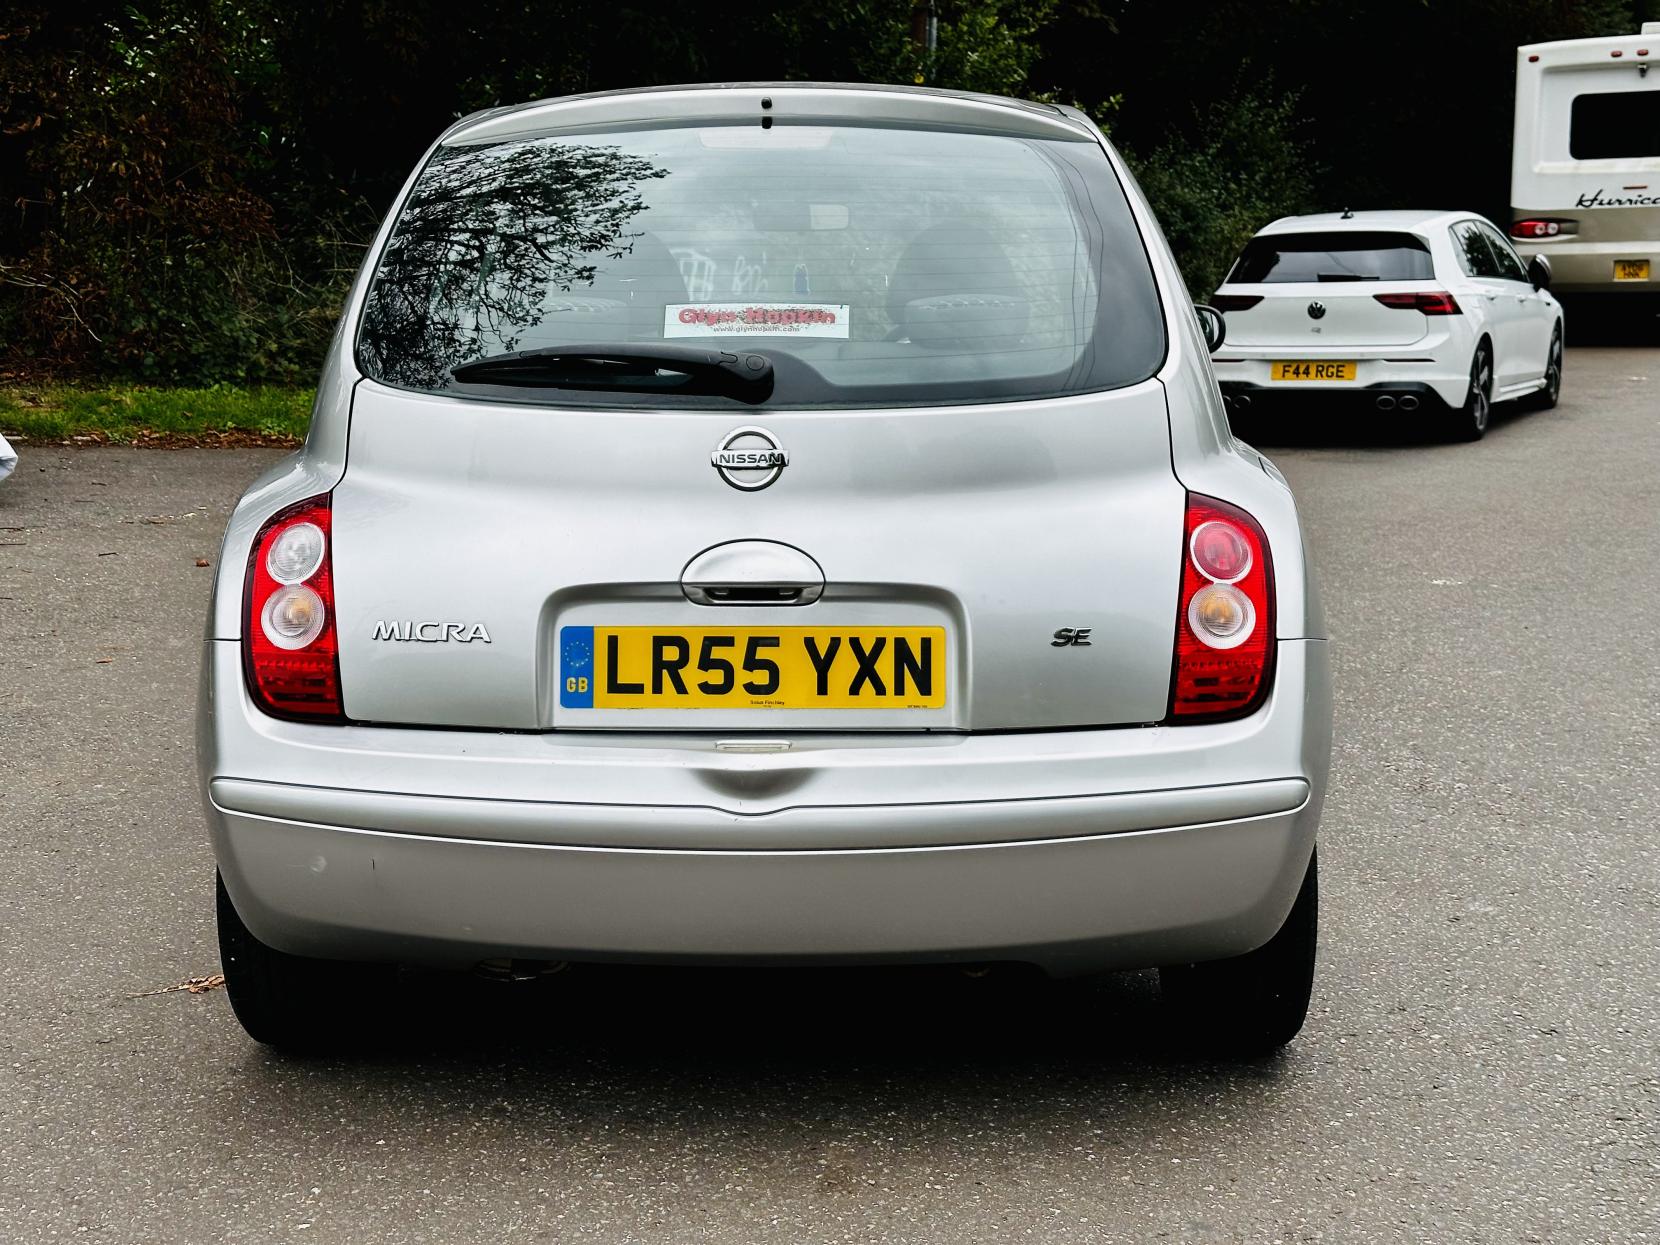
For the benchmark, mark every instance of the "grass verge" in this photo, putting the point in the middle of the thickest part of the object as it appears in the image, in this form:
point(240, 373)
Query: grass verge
point(143, 415)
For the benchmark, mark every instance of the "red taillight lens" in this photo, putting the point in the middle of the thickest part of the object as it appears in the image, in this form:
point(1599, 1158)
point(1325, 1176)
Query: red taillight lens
point(1225, 626)
point(1235, 302)
point(1430, 302)
point(289, 650)
point(1542, 227)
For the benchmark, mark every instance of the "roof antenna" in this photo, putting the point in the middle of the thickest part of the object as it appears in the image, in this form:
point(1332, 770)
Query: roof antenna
point(1347, 215)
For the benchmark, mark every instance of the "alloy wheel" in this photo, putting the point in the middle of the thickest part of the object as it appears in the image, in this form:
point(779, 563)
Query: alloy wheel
point(1481, 392)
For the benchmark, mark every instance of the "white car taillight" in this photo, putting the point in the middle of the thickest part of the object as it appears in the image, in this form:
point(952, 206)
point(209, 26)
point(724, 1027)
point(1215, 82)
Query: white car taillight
point(1225, 627)
point(289, 648)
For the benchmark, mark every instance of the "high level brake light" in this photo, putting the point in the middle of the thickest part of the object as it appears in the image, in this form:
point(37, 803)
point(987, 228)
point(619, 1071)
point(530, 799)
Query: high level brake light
point(1430, 302)
point(1225, 627)
point(289, 648)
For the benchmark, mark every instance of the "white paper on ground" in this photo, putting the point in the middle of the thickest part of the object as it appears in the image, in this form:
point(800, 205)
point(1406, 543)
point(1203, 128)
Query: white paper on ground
point(8, 458)
point(756, 320)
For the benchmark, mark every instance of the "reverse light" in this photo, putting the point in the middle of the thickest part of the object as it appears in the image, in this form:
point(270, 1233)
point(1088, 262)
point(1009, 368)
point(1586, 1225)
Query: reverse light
point(290, 654)
point(1225, 626)
point(1430, 302)
point(296, 553)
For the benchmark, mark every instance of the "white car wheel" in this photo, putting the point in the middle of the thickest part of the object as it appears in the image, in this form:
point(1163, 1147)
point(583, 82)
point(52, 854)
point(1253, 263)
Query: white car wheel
point(1478, 406)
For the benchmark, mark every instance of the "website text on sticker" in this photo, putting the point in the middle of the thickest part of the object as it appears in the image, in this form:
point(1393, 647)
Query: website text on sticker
point(756, 320)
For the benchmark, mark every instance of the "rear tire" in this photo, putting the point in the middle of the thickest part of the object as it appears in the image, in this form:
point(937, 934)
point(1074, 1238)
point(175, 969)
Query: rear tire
point(1470, 422)
point(290, 1002)
point(1252, 1004)
point(1547, 398)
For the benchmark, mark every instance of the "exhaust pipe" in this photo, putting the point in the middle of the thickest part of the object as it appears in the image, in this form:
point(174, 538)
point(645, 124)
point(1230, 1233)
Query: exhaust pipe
point(1409, 403)
point(1386, 403)
point(519, 970)
point(1242, 401)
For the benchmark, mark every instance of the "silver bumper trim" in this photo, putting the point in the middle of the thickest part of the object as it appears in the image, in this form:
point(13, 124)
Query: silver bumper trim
point(703, 828)
point(1071, 905)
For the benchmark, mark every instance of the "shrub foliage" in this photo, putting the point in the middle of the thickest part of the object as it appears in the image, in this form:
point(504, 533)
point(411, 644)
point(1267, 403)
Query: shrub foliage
point(189, 184)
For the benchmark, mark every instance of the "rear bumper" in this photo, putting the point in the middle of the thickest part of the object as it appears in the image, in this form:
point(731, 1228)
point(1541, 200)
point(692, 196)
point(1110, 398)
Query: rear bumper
point(1389, 397)
point(1588, 267)
point(1442, 378)
point(1076, 851)
point(1071, 905)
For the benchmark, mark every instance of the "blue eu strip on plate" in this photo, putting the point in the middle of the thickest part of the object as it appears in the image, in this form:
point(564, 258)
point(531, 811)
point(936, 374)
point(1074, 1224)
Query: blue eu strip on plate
point(576, 667)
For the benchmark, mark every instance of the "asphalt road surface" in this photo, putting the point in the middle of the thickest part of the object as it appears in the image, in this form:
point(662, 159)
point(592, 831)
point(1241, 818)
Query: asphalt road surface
point(1481, 1063)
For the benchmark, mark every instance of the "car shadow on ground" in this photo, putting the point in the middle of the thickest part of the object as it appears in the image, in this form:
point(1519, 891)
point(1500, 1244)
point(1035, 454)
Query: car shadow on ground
point(1303, 429)
point(1608, 322)
point(830, 1085)
point(757, 1039)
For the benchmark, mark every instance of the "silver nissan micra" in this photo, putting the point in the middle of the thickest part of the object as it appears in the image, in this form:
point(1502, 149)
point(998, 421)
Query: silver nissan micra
point(769, 524)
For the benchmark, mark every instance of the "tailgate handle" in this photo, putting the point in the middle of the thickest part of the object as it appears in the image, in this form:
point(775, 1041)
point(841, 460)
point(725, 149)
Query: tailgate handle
point(752, 572)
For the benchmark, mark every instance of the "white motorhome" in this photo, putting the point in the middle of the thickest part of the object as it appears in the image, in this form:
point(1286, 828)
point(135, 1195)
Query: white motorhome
point(1585, 171)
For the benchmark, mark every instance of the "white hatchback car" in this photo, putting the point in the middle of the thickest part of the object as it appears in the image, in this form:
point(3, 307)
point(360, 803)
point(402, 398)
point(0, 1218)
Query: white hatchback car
point(1396, 311)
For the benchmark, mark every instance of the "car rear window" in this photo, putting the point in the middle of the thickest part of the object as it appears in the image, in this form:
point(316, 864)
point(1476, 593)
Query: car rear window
point(1345, 256)
point(1613, 125)
point(873, 266)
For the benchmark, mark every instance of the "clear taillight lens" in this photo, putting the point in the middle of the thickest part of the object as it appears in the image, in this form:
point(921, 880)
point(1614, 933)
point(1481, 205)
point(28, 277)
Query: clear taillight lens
point(1225, 627)
point(296, 553)
point(289, 650)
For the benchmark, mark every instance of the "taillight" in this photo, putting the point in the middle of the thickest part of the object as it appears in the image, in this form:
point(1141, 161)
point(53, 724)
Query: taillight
point(1225, 627)
point(1542, 227)
point(1234, 302)
point(289, 649)
point(1430, 302)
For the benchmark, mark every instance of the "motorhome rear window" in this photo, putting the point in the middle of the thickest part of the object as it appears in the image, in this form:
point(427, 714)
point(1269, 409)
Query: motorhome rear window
point(1615, 125)
point(1345, 256)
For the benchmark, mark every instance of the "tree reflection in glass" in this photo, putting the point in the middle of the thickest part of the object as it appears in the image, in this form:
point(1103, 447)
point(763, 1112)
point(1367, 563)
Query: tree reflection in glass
point(489, 242)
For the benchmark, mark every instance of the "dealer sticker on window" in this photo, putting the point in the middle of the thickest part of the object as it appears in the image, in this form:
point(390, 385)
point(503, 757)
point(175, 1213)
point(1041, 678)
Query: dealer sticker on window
point(756, 320)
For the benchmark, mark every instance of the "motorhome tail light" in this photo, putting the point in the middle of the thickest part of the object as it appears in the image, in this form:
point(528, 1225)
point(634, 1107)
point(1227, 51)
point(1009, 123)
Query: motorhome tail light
point(290, 653)
point(1235, 302)
point(1225, 624)
point(1542, 227)
point(1430, 302)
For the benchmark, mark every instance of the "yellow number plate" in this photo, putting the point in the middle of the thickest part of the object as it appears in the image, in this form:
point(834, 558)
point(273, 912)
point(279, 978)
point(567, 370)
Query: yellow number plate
point(1307, 370)
point(751, 667)
point(1631, 270)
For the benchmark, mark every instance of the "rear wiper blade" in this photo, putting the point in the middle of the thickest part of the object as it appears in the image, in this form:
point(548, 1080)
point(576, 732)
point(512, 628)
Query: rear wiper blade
point(646, 368)
point(1343, 276)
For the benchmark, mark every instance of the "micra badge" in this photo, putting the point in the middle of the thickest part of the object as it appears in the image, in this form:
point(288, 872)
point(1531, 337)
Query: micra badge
point(431, 632)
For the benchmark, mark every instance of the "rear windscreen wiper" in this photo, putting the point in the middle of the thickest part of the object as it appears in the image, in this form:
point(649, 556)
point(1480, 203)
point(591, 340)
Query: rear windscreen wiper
point(1343, 276)
point(646, 368)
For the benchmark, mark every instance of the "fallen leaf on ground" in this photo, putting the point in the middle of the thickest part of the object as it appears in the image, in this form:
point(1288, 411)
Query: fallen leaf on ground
point(190, 985)
point(102, 661)
point(203, 562)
